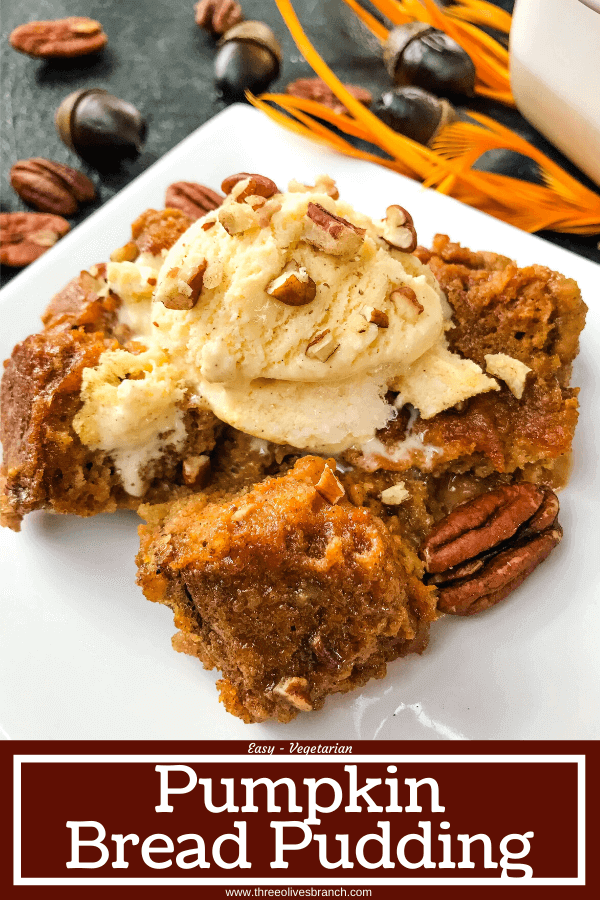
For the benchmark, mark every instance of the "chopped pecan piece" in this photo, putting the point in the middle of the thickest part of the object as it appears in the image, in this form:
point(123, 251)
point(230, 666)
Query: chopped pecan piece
point(486, 547)
point(196, 281)
point(331, 233)
point(328, 485)
point(267, 211)
point(258, 186)
point(323, 185)
point(395, 494)
point(195, 468)
point(405, 299)
point(175, 298)
point(322, 346)
point(376, 317)
point(323, 652)
point(399, 230)
point(237, 219)
point(296, 691)
point(294, 287)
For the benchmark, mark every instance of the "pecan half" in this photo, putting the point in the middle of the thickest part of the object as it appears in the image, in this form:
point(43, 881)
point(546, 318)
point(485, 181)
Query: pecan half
point(59, 38)
point(258, 186)
point(316, 89)
point(399, 229)
point(218, 16)
point(25, 236)
point(194, 199)
point(331, 233)
point(500, 576)
point(486, 547)
point(50, 186)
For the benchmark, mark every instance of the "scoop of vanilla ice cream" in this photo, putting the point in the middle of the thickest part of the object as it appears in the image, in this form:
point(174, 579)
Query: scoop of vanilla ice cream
point(237, 331)
point(313, 375)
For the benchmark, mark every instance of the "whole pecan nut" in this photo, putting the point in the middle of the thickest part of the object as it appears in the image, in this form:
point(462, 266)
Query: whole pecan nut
point(194, 199)
point(59, 38)
point(25, 236)
point(316, 89)
point(217, 16)
point(486, 547)
point(50, 186)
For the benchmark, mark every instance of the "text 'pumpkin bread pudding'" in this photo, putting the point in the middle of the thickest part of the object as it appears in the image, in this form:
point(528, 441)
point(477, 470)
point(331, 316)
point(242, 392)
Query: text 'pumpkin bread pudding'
point(333, 434)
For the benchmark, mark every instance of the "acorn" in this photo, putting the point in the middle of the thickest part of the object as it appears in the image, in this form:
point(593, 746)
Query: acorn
point(501, 161)
point(249, 59)
point(418, 54)
point(99, 126)
point(415, 113)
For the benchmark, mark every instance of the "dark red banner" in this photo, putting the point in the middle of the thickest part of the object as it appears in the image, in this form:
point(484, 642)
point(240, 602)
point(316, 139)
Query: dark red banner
point(298, 815)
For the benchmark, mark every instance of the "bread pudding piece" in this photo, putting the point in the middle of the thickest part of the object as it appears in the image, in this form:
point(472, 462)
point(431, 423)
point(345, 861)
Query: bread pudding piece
point(288, 589)
point(45, 464)
point(532, 315)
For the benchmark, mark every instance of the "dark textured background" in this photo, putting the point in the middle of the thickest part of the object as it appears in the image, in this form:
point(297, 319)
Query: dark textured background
point(158, 59)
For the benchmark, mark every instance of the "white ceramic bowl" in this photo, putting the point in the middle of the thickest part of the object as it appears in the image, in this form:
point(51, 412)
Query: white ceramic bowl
point(555, 74)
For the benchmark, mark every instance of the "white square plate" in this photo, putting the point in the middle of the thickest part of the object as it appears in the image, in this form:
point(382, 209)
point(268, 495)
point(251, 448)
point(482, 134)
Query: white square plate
point(84, 655)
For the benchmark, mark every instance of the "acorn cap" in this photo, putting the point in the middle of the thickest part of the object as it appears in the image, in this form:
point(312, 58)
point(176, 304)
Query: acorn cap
point(398, 39)
point(254, 33)
point(449, 115)
point(63, 118)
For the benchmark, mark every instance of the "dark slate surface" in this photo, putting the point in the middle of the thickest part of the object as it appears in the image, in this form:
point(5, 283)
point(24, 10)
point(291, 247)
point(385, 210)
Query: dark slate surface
point(158, 59)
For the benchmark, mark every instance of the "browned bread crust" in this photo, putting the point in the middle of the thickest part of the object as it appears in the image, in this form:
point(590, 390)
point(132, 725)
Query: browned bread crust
point(534, 315)
point(290, 596)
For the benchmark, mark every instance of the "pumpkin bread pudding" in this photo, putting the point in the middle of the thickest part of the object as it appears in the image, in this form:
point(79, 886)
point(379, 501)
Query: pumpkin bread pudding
point(333, 434)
